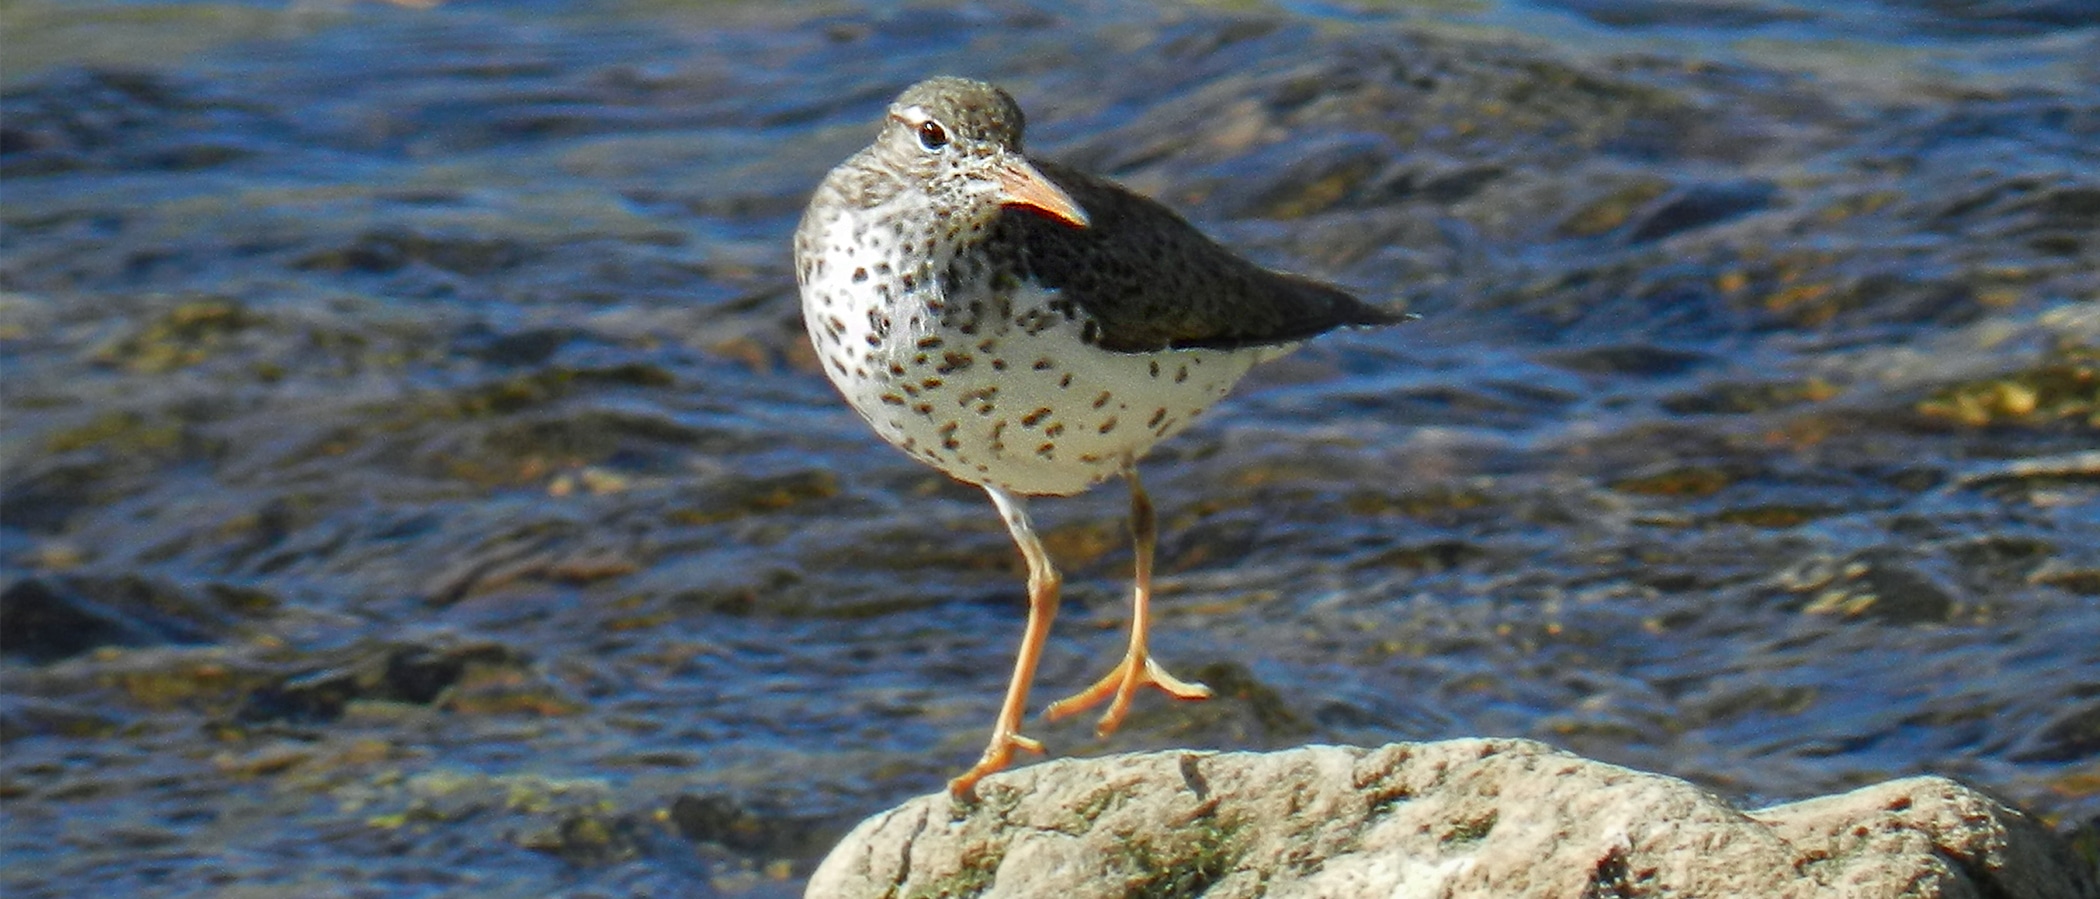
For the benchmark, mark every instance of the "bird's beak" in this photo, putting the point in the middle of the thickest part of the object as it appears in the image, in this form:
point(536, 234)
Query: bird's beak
point(1020, 184)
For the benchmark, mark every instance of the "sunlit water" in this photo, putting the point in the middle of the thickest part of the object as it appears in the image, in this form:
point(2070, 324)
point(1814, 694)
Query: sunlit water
point(416, 481)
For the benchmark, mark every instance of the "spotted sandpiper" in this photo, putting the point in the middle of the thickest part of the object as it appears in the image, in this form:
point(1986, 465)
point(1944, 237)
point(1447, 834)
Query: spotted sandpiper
point(1032, 330)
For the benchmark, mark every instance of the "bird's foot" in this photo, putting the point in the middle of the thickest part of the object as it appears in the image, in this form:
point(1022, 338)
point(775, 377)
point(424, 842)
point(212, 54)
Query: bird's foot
point(1136, 670)
point(995, 759)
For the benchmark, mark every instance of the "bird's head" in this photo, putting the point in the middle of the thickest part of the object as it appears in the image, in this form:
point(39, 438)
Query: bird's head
point(961, 140)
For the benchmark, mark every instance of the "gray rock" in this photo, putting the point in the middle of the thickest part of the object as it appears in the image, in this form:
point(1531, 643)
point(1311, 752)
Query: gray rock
point(1462, 818)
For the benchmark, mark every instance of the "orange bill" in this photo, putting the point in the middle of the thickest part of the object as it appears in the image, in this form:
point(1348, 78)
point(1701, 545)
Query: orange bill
point(1021, 185)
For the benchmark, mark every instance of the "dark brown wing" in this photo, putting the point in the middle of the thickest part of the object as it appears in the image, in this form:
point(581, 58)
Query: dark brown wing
point(1149, 280)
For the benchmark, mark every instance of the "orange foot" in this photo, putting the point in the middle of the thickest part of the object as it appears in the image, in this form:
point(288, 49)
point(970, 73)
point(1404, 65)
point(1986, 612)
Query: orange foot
point(995, 759)
point(1136, 670)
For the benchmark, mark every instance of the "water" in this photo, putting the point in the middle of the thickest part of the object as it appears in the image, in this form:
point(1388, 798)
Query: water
point(416, 481)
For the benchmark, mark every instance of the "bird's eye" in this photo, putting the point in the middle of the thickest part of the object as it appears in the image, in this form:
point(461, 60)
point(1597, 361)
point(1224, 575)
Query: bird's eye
point(932, 136)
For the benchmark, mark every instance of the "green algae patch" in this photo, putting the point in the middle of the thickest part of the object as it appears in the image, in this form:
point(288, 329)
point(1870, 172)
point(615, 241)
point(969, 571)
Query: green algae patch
point(119, 432)
point(756, 496)
point(1690, 481)
point(1606, 213)
point(191, 333)
point(1776, 516)
point(1749, 397)
point(2064, 388)
point(1471, 830)
point(976, 870)
point(1183, 861)
point(547, 385)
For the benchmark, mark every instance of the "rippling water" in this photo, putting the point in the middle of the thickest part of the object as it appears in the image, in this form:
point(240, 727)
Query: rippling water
point(416, 482)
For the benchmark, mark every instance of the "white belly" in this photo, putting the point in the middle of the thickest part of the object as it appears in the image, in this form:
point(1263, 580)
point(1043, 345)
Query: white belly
point(1033, 413)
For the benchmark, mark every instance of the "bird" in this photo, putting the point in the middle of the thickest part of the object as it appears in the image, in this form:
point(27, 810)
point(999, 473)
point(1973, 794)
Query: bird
point(1033, 330)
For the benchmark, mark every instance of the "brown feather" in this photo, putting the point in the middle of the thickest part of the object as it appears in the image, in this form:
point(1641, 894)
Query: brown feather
point(1151, 281)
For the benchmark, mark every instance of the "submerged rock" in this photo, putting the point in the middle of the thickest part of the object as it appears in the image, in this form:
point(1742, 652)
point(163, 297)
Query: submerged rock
point(1481, 817)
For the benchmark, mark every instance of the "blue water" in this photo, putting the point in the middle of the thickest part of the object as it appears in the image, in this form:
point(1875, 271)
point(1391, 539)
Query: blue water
point(414, 479)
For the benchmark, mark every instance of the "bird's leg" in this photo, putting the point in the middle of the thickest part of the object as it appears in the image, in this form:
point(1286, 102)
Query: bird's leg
point(1043, 583)
point(1137, 668)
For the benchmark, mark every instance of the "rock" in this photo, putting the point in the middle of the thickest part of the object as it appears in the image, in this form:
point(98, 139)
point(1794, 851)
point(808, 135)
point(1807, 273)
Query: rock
point(1460, 818)
point(45, 620)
